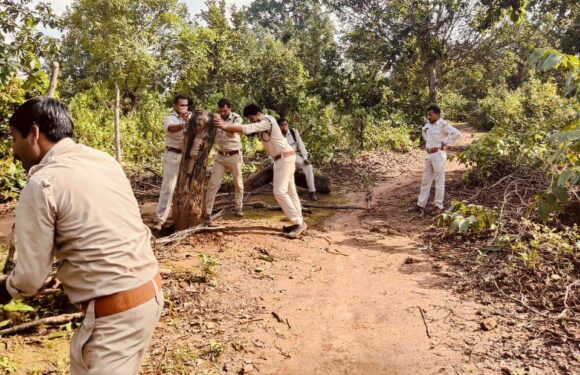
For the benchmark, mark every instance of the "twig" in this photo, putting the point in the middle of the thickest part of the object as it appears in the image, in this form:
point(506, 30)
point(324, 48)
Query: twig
point(424, 321)
point(64, 318)
point(568, 288)
point(333, 206)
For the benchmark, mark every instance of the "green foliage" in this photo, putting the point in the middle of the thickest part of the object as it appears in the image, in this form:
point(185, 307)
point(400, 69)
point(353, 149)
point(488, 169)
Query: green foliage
point(6, 366)
point(12, 180)
point(142, 133)
point(465, 218)
point(541, 245)
point(521, 123)
point(206, 265)
point(17, 306)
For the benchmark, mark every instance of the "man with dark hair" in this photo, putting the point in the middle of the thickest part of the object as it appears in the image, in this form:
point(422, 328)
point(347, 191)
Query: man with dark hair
point(174, 125)
point(229, 158)
point(302, 162)
point(284, 157)
point(437, 134)
point(78, 206)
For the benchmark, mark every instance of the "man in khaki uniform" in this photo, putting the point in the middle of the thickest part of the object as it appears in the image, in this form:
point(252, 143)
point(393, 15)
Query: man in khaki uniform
point(438, 134)
point(284, 157)
point(302, 162)
point(78, 206)
point(174, 125)
point(229, 158)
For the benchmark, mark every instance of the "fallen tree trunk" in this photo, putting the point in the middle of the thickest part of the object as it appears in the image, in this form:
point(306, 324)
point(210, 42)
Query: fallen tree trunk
point(266, 175)
point(189, 197)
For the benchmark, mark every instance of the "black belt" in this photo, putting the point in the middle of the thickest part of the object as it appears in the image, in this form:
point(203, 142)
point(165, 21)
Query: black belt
point(229, 153)
point(173, 149)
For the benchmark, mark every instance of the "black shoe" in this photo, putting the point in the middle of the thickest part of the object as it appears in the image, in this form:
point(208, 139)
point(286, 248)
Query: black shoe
point(289, 228)
point(313, 196)
point(297, 232)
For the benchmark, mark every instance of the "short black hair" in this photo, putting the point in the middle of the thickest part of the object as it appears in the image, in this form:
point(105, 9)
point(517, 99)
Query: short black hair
point(224, 102)
point(251, 109)
point(434, 108)
point(281, 120)
point(51, 116)
point(179, 97)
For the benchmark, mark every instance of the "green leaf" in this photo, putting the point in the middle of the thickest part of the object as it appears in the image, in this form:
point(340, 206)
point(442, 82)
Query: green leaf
point(18, 306)
point(4, 323)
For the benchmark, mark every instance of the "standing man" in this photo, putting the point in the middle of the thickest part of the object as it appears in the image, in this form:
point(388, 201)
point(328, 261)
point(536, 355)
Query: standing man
point(229, 158)
point(302, 162)
point(175, 124)
point(438, 134)
point(284, 157)
point(78, 206)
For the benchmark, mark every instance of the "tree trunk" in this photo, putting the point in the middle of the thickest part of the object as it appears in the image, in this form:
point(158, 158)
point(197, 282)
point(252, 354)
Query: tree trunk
point(189, 197)
point(266, 175)
point(53, 79)
point(118, 155)
point(432, 80)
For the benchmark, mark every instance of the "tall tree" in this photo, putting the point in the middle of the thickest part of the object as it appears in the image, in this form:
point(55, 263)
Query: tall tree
point(439, 34)
point(123, 42)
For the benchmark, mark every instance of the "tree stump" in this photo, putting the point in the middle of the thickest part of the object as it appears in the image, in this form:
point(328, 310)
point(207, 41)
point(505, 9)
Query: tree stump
point(189, 197)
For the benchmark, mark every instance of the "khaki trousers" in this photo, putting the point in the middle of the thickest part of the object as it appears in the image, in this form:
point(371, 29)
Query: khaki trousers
point(308, 171)
point(433, 171)
point(232, 163)
point(285, 188)
point(115, 344)
point(171, 163)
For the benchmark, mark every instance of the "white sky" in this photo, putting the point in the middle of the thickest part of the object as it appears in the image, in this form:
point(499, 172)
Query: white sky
point(195, 6)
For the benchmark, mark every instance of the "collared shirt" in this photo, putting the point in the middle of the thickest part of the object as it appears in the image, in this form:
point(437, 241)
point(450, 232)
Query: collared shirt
point(297, 144)
point(174, 139)
point(78, 206)
point(226, 141)
point(438, 133)
point(270, 134)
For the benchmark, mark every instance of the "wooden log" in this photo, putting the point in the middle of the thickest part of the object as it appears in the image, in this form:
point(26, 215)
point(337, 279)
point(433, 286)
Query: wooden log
point(189, 197)
point(266, 175)
point(60, 319)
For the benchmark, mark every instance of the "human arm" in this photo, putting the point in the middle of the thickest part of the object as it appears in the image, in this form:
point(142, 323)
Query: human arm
point(301, 147)
point(452, 134)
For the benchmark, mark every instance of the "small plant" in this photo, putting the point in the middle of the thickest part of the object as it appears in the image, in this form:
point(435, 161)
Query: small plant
point(6, 366)
point(206, 265)
point(214, 351)
point(464, 218)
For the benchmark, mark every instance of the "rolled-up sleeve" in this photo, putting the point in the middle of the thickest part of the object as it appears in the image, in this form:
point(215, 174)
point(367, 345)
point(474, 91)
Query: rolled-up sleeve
point(257, 127)
point(34, 238)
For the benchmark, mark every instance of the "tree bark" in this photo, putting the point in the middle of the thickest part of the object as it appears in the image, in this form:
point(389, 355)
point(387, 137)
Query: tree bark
point(53, 79)
point(118, 155)
point(266, 175)
point(9, 264)
point(189, 197)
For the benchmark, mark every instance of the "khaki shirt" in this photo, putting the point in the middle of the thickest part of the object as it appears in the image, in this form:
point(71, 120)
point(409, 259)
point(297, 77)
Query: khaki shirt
point(174, 140)
point(438, 133)
point(78, 206)
point(270, 134)
point(297, 144)
point(226, 141)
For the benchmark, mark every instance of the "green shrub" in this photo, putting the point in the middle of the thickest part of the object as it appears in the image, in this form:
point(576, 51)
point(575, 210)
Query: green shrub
point(464, 218)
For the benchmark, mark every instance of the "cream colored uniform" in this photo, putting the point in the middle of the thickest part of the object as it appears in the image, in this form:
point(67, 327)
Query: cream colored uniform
point(275, 145)
point(226, 142)
point(301, 155)
point(435, 135)
point(78, 206)
point(171, 162)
